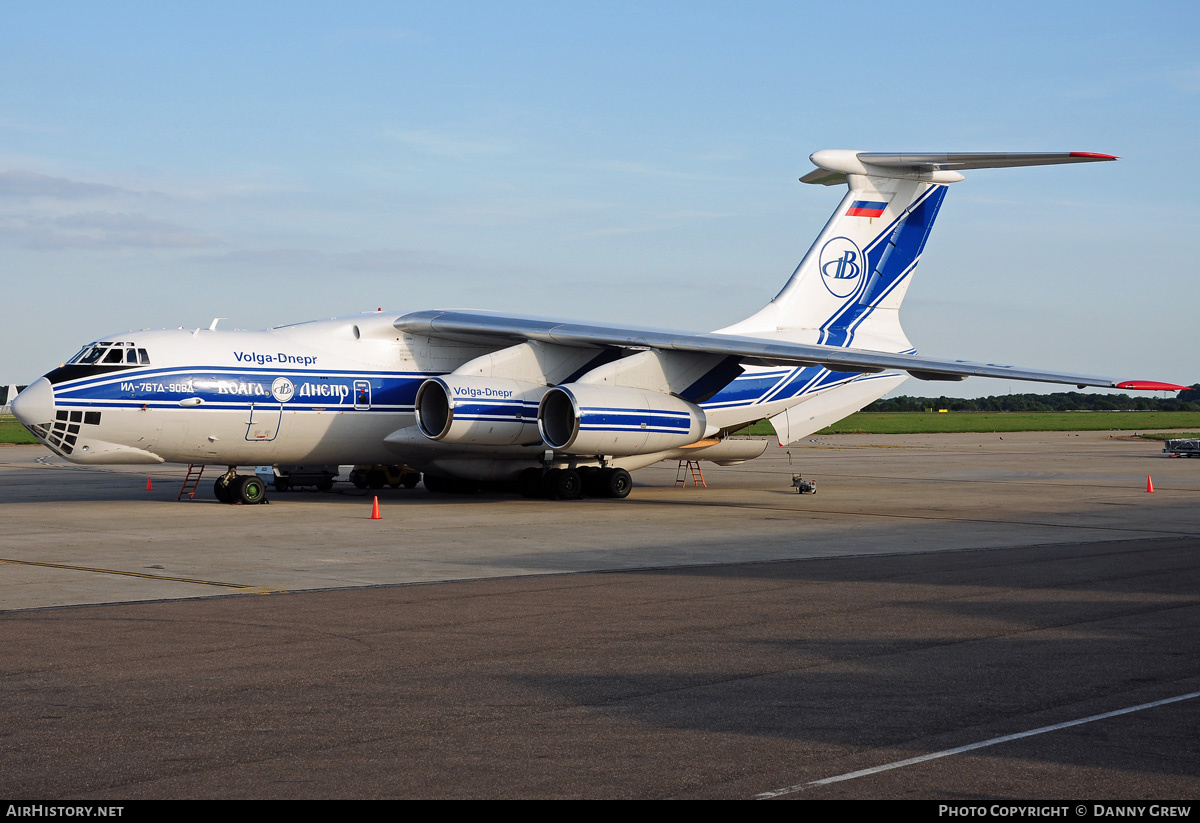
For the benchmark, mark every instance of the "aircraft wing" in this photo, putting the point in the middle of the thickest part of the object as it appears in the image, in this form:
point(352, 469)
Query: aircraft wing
point(477, 326)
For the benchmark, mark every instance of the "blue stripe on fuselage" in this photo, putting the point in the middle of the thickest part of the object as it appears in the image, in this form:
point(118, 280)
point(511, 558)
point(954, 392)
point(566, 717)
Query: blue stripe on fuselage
point(240, 388)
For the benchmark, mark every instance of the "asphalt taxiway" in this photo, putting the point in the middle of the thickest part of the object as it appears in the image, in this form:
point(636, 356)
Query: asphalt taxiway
point(740, 640)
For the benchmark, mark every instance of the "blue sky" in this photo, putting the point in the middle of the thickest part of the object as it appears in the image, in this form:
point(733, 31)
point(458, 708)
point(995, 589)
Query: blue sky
point(162, 164)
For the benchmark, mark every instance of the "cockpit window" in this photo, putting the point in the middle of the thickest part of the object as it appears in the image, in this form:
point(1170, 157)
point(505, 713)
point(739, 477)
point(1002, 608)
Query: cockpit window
point(111, 353)
point(89, 355)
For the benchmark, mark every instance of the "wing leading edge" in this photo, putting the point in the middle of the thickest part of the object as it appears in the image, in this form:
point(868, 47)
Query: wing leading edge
point(489, 327)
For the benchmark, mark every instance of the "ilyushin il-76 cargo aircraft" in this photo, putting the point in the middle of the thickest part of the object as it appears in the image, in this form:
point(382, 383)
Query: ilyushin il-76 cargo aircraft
point(561, 408)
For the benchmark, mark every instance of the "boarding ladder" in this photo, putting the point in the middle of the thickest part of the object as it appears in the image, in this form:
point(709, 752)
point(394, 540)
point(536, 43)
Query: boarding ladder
point(694, 467)
point(191, 482)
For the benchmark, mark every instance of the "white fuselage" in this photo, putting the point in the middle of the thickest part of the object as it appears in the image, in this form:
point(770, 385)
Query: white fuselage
point(333, 392)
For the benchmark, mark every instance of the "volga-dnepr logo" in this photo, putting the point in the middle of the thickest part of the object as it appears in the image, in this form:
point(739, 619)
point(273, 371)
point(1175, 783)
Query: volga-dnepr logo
point(282, 389)
point(841, 265)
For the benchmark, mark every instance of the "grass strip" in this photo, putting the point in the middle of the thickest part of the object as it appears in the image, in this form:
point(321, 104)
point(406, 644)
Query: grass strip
point(951, 422)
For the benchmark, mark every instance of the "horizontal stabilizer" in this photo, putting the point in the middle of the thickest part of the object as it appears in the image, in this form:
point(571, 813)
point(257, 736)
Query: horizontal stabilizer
point(834, 164)
point(931, 161)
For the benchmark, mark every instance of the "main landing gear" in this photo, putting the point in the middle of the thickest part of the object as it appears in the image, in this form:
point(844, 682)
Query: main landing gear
point(376, 477)
point(247, 489)
point(571, 484)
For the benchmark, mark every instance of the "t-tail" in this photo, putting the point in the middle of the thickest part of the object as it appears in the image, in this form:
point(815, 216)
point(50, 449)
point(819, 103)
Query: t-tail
point(848, 288)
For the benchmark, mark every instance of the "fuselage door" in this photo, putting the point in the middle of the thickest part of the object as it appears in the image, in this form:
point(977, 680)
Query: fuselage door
point(264, 422)
point(362, 395)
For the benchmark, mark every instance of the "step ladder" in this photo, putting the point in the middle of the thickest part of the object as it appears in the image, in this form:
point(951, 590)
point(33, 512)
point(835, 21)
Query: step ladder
point(694, 467)
point(191, 482)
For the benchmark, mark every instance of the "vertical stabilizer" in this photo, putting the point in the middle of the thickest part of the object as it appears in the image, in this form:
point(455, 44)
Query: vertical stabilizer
point(848, 288)
point(853, 278)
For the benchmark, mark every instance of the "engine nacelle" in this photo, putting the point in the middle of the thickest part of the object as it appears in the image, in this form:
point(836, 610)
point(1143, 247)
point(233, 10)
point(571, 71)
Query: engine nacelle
point(492, 411)
point(582, 418)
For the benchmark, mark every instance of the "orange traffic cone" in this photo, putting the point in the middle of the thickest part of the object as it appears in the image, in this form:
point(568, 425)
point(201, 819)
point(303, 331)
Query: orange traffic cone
point(149, 485)
point(1149, 485)
point(375, 510)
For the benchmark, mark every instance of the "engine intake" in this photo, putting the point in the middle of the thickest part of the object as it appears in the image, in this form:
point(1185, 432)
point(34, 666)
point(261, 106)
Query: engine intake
point(491, 411)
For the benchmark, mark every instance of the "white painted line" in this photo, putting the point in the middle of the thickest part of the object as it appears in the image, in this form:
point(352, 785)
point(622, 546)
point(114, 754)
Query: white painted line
point(969, 747)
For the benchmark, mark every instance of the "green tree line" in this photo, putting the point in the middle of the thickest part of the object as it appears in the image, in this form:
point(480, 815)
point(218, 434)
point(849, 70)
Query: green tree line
point(1186, 400)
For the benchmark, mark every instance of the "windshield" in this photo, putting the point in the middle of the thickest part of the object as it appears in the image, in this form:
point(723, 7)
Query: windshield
point(109, 353)
point(89, 355)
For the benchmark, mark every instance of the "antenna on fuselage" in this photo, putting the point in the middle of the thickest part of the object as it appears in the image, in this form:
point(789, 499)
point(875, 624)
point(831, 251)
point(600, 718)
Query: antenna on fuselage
point(213, 326)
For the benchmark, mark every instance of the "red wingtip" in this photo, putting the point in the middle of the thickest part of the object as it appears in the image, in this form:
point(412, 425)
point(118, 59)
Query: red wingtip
point(1150, 385)
point(1094, 155)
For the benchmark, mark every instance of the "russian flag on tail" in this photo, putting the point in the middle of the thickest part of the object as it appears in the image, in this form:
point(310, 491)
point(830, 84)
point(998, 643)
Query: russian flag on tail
point(866, 208)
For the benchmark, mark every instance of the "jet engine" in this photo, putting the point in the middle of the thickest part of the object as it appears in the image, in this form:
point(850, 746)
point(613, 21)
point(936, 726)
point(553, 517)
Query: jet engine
point(583, 418)
point(492, 411)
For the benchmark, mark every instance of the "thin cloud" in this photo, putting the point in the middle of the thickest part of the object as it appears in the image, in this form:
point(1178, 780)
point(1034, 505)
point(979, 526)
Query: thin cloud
point(97, 230)
point(27, 184)
point(24, 127)
point(313, 261)
point(668, 221)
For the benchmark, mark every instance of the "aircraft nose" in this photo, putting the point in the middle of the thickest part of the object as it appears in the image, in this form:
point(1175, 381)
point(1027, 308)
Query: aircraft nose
point(35, 405)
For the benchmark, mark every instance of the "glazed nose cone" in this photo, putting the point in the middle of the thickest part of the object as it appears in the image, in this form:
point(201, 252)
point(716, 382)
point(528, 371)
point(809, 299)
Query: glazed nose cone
point(35, 405)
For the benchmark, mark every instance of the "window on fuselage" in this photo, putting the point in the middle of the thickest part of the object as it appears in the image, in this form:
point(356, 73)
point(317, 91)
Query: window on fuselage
point(143, 358)
point(113, 356)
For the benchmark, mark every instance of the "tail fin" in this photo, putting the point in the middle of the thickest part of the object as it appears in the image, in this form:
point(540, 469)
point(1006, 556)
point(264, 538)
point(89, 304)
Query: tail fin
point(848, 288)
